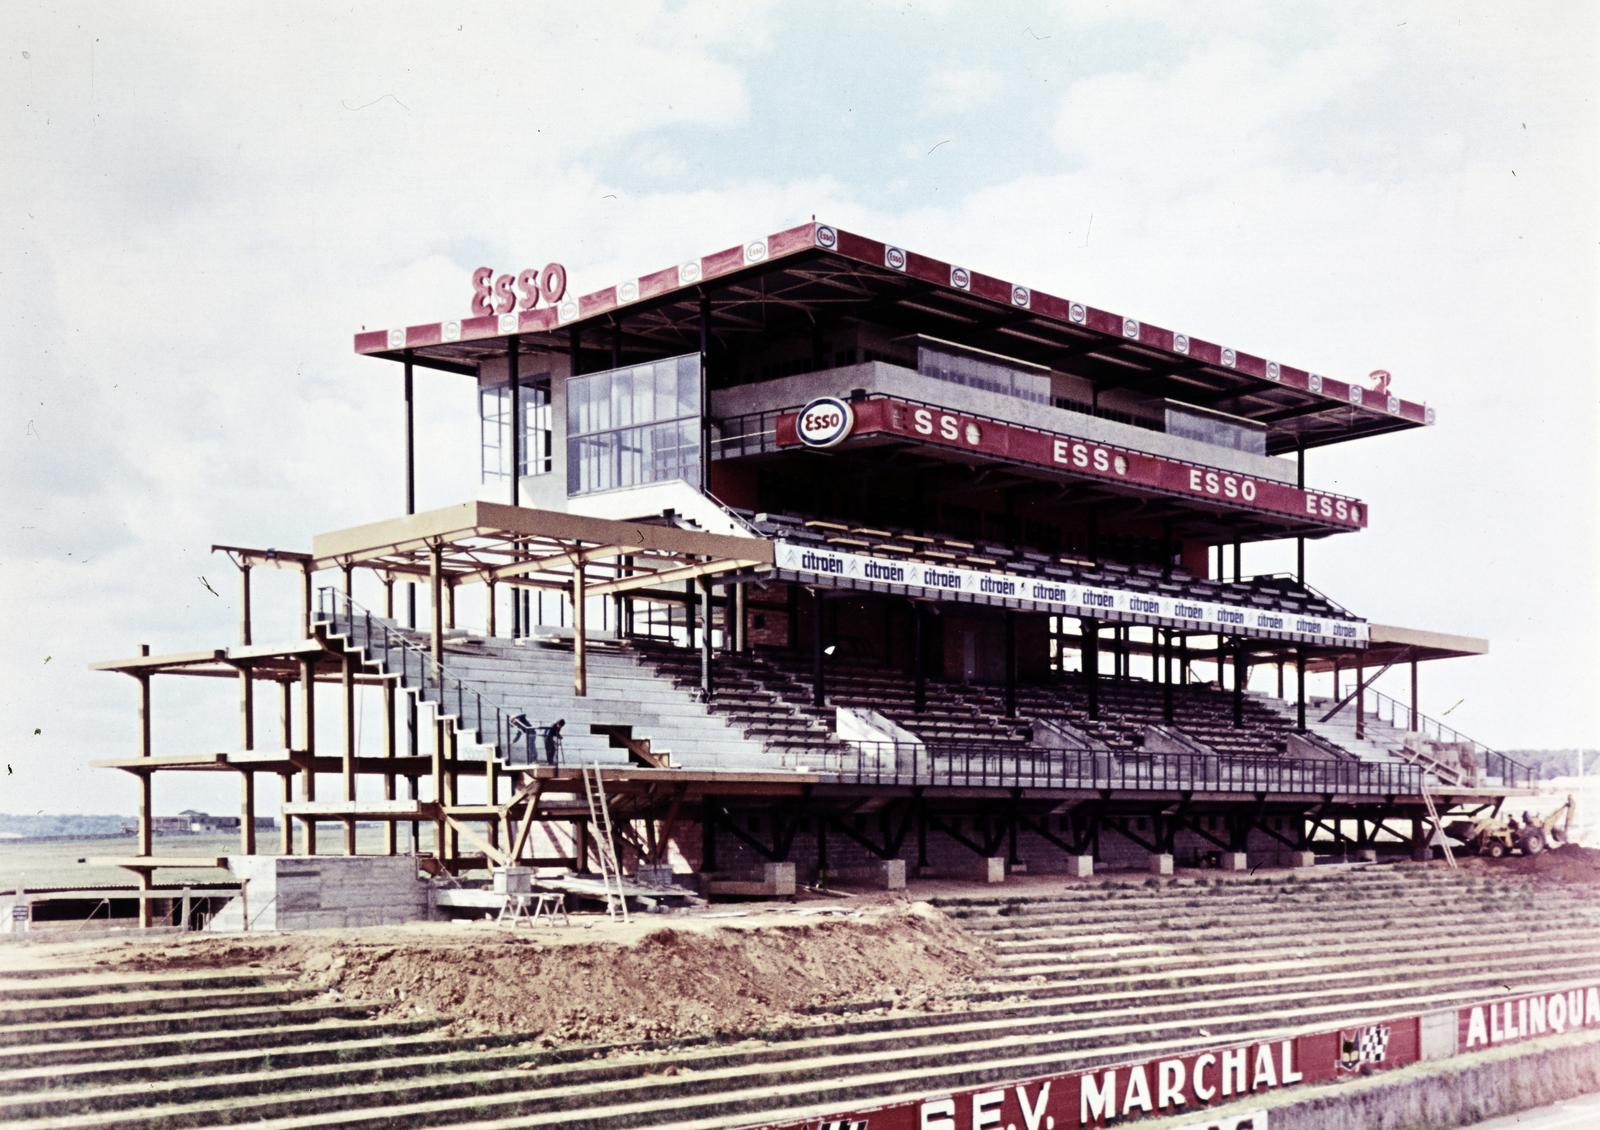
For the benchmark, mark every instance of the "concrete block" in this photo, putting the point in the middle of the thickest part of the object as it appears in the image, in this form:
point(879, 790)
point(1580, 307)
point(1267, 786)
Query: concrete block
point(881, 874)
point(993, 869)
point(1160, 863)
point(1423, 854)
point(1080, 866)
point(662, 876)
point(1367, 855)
point(1302, 859)
point(1233, 861)
point(513, 880)
point(779, 878)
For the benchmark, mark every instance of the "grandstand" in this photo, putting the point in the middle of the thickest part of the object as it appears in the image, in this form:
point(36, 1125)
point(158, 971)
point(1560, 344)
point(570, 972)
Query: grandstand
point(817, 527)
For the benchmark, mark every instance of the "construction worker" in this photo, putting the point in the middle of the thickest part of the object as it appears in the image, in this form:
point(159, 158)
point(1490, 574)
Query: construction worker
point(552, 741)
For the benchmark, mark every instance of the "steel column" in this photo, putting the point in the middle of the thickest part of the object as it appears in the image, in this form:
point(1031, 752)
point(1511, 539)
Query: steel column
point(1011, 663)
point(1240, 678)
point(1300, 688)
point(705, 637)
point(919, 658)
point(1415, 712)
point(146, 815)
point(514, 377)
point(1091, 664)
point(308, 730)
point(816, 648)
point(580, 644)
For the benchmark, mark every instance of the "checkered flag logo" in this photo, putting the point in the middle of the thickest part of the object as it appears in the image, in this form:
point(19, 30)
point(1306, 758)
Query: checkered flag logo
point(843, 1124)
point(1367, 1045)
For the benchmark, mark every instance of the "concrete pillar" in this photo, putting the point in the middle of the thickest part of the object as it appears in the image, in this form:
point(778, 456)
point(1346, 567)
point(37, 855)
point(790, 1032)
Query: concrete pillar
point(1080, 866)
point(1367, 855)
point(1160, 863)
point(1233, 861)
point(779, 879)
point(992, 869)
point(1298, 859)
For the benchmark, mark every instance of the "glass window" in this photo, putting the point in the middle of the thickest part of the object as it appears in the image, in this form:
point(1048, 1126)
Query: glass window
point(494, 429)
point(634, 425)
point(989, 372)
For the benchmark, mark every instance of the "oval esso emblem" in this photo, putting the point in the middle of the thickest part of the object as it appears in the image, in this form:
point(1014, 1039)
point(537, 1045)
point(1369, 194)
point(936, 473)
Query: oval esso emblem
point(824, 422)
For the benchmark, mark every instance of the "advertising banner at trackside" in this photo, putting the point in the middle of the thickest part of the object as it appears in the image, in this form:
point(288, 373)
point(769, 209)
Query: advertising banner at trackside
point(1063, 452)
point(1073, 599)
point(1103, 1096)
point(1524, 1018)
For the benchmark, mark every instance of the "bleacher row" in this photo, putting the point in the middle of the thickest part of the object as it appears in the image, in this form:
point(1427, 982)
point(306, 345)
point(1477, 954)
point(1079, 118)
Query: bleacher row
point(766, 695)
point(1275, 592)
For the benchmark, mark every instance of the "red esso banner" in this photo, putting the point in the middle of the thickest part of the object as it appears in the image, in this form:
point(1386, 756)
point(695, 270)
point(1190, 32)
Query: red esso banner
point(926, 424)
point(1105, 1096)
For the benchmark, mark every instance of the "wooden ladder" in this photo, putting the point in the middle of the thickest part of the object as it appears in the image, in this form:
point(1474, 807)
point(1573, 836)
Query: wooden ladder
point(605, 846)
point(1438, 828)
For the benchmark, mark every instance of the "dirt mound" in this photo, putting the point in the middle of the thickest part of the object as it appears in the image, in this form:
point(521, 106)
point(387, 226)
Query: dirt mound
point(670, 979)
point(1568, 863)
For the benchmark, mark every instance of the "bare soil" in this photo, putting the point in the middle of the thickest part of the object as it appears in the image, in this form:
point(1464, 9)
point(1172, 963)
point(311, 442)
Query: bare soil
point(1569, 863)
point(656, 979)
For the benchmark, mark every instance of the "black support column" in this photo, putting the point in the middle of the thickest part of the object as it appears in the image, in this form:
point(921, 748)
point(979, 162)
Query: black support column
point(1239, 679)
point(705, 636)
point(1161, 644)
point(1011, 663)
point(1091, 664)
point(1300, 688)
point(817, 688)
point(919, 657)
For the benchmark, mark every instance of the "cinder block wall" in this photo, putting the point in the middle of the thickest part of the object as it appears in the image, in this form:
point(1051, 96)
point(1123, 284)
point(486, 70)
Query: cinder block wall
point(301, 893)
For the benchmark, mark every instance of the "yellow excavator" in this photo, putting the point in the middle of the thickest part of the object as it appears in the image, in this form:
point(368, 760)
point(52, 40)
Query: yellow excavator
point(1496, 836)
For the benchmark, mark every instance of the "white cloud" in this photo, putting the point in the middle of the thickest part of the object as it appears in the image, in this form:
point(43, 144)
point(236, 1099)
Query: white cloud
point(957, 90)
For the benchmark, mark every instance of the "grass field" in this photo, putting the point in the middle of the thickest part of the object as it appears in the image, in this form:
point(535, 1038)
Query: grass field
point(60, 863)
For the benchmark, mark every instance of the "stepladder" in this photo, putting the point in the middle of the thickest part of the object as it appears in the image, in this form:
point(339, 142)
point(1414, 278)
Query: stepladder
point(605, 844)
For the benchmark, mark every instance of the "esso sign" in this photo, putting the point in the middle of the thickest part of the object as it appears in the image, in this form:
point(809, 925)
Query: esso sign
point(824, 422)
point(492, 294)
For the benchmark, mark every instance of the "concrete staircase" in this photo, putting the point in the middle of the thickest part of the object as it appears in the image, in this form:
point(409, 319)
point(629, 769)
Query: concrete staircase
point(1378, 745)
point(500, 678)
point(1082, 975)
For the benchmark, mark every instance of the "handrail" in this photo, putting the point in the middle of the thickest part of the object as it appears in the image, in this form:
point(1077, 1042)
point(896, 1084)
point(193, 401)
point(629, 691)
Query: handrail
point(1312, 589)
point(1491, 762)
point(1009, 765)
point(331, 602)
point(734, 516)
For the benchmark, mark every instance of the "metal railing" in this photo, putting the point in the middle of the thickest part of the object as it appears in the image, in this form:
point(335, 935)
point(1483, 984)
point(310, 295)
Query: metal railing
point(384, 645)
point(752, 433)
point(1488, 762)
point(1007, 765)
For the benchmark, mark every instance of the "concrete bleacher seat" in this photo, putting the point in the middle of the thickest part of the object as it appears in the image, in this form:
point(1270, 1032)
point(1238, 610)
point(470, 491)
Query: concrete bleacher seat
point(1076, 977)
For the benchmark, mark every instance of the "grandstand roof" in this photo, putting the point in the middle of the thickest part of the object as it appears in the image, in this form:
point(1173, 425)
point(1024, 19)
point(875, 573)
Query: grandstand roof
point(815, 269)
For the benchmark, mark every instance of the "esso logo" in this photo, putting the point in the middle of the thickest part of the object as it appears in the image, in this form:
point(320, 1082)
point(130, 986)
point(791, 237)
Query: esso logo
point(501, 294)
point(824, 422)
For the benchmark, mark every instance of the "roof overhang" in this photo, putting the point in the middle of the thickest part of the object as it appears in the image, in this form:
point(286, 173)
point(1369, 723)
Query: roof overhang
point(1388, 644)
point(816, 269)
point(488, 542)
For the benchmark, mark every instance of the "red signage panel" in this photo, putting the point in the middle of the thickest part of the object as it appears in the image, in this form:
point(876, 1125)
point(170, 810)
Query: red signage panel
point(982, 435)
point(1105, 1096)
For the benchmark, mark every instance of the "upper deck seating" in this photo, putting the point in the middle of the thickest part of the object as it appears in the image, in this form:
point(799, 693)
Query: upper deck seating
point(1275, 591)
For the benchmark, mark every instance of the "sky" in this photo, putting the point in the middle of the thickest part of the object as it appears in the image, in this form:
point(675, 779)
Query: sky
point(202, 203)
